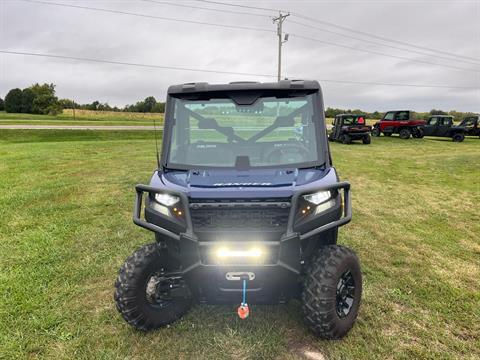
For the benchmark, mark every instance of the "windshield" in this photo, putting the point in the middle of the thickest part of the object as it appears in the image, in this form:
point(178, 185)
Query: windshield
point(469, 121)
point(220, 133)
point(354, 120)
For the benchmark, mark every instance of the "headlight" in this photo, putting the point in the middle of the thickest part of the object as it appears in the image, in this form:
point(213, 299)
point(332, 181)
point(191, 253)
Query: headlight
point(324, 206)
point(318, 197)
point(167, 199)
point(164, 204)
point(321, 201)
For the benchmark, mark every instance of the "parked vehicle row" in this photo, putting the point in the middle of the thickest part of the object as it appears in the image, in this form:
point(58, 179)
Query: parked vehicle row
point(405, 123)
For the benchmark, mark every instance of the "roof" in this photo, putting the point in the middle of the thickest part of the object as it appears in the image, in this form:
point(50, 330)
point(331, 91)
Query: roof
point(441, 116)
point(244, 85)
point(363, 115)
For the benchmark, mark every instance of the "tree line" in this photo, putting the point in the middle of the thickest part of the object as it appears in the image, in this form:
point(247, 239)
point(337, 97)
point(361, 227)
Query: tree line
point(41, 99)
point(149, 105)
point(36, 99)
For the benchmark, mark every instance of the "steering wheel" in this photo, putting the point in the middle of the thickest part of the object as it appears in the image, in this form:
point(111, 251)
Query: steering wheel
point(288, 153)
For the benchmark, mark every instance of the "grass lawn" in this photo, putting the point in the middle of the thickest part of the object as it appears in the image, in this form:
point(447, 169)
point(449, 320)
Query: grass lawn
point(65, 229)
point(82, 117)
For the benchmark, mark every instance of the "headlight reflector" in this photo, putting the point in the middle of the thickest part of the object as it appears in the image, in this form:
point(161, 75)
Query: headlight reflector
point(324, 206)
point(166, 199)
point(318, 197)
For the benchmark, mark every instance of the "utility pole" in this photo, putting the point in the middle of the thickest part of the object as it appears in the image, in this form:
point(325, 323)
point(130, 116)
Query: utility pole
point(279, 20)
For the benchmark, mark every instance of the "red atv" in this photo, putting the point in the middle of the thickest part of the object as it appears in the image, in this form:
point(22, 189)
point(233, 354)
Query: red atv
point(402, 122)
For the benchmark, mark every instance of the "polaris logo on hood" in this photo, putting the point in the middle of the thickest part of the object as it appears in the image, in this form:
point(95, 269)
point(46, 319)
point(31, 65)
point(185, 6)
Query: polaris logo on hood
point(244, 184)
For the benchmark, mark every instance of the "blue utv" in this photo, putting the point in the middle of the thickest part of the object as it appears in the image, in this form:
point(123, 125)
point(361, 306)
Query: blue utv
point(245, 207)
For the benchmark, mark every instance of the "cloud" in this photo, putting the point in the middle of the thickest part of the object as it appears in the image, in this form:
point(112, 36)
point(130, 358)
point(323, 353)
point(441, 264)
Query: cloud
point(451, 26)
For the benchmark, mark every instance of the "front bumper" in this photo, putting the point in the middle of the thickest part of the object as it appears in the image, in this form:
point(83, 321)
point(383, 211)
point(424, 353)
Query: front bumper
point(276, 279)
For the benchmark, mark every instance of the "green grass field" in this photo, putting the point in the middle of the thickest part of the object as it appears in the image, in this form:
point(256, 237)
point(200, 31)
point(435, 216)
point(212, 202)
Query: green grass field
point(82, 117)
point(65, 229)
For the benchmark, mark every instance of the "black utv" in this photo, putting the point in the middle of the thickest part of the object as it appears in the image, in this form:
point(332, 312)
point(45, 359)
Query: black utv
point(472, 125)
point(349, 127)
point(442, 126)
point(245, 207)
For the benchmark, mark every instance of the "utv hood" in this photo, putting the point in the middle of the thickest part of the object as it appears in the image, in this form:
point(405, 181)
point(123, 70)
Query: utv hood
point(233, 183)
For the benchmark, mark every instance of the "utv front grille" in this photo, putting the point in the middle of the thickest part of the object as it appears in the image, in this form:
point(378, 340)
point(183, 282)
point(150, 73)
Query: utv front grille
point(213, 219)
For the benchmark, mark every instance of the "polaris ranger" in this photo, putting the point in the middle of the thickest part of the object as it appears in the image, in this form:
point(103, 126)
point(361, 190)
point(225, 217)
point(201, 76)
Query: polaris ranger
point(442, 126)
point(401, 122)
point(349, 127)
point(472, 125)
point(245, 207)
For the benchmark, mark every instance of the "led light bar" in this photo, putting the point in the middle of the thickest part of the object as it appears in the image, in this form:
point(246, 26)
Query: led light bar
point(224, 252)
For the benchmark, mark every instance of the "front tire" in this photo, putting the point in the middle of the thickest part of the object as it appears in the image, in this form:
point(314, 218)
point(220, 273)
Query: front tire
point(417, 134)
point(367, 139)
point(376, 132)
point(458, 137)
point(346, 139)
point(332, 291)
point(149, 292)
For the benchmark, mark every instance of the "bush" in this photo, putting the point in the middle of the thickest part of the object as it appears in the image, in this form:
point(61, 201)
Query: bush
point(27, 100)
point(2, 105)
point(45, 101)
point(13, 101)
point(46, 104)
point(67, 103)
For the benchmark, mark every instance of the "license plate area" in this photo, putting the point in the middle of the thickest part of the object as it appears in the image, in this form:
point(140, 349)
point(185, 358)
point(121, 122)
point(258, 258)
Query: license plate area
point(239, 275)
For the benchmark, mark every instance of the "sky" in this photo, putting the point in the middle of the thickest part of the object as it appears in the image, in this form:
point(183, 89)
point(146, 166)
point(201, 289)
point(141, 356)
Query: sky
point(329, 40)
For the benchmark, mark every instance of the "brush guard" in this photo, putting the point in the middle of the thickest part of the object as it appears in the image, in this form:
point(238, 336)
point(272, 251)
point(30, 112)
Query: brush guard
point(278, 278)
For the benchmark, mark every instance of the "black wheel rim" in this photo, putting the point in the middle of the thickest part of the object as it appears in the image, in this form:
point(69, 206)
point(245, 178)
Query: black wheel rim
point(160, 288)
point(345, 294)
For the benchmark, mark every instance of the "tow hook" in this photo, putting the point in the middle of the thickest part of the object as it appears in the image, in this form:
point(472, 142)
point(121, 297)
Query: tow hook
point(243, 311)
point(236, 276)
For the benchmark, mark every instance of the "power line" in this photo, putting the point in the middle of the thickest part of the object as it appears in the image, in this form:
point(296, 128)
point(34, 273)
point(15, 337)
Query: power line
point(167, 67)
point(241, 6)
point(205, 8)
point(355, 31)
point(242, 28)
point(379, 44)
point(382, 54)
point(382, 37)
point(149, 16)
point(305, 25)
